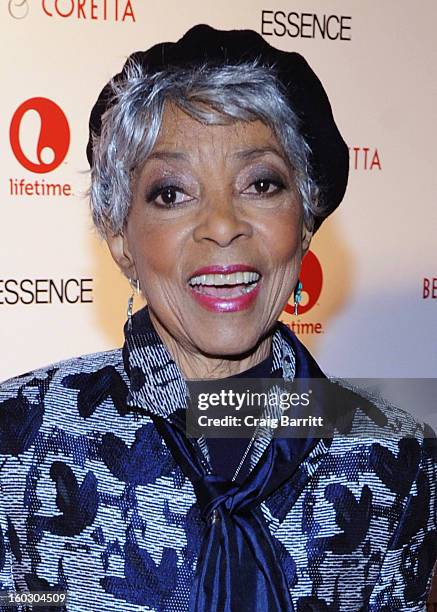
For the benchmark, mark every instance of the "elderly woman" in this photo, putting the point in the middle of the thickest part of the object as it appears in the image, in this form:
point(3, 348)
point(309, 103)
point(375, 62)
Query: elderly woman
point(213, 161)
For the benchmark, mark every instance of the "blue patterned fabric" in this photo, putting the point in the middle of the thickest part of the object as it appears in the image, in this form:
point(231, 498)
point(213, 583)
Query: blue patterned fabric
point(93, 501)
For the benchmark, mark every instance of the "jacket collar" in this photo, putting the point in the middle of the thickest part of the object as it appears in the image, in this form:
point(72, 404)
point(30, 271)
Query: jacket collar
point(158, 388)
point(156, 383)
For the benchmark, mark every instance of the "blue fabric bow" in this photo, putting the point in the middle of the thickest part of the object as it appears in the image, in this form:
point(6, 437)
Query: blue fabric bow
point(237, 566)
point(238, 569)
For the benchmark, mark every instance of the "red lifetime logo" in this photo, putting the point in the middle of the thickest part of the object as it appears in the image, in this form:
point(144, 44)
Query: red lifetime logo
point(47, 144)
point(311, 276)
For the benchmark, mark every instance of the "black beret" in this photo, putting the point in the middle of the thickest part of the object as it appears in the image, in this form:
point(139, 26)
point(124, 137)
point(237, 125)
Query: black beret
point(329, 157)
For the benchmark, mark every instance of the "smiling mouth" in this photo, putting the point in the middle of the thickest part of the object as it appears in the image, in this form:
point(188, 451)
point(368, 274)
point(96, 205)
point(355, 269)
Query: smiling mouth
point(225, 286)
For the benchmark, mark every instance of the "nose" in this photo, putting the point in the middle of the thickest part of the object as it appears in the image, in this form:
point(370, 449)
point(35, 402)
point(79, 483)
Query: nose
point(220, 222)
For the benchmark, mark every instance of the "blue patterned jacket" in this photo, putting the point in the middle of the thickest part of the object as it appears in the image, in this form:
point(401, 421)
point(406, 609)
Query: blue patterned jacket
point(93, 502)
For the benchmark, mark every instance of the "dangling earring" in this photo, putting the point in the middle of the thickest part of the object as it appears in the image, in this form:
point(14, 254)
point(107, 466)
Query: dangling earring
point(297, 296)
point(135, 284)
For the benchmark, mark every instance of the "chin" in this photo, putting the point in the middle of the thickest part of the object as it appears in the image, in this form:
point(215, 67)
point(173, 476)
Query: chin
point(229, 341)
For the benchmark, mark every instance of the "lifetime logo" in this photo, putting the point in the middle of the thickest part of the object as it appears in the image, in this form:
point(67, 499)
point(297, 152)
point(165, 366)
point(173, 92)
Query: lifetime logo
point(47, 135)
point(40, 138)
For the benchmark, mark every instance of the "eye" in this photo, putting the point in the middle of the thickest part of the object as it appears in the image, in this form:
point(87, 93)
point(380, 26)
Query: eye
point(265, 187)
point(168, 196)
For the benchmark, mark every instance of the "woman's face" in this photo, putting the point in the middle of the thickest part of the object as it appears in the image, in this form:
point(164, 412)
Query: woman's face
point(215, 233)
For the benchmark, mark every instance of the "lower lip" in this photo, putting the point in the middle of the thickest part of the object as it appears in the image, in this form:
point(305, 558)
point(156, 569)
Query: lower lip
point(235, 304)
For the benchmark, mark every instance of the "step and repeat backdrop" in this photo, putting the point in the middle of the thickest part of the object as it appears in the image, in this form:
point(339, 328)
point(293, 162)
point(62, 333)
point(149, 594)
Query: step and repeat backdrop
point(370, 279)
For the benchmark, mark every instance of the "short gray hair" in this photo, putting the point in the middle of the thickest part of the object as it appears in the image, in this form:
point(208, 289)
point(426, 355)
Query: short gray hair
point(210, 94)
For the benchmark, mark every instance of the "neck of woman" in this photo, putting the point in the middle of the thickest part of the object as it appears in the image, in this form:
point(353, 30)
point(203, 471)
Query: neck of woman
point(197, 365)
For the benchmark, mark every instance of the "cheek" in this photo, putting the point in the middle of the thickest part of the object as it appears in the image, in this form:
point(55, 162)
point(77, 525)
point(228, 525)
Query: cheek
point(283, 240)
point(155, 248)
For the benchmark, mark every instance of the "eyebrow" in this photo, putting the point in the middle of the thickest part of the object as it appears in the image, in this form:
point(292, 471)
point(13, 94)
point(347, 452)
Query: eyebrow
point(244, 154)
point(257, 152)
point(167, 155)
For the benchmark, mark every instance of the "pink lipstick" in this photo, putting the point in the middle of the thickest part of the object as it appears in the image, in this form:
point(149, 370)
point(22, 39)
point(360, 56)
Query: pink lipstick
point(225, 288)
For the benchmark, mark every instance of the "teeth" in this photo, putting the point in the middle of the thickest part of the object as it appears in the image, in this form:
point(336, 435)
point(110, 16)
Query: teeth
point(236, 278)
